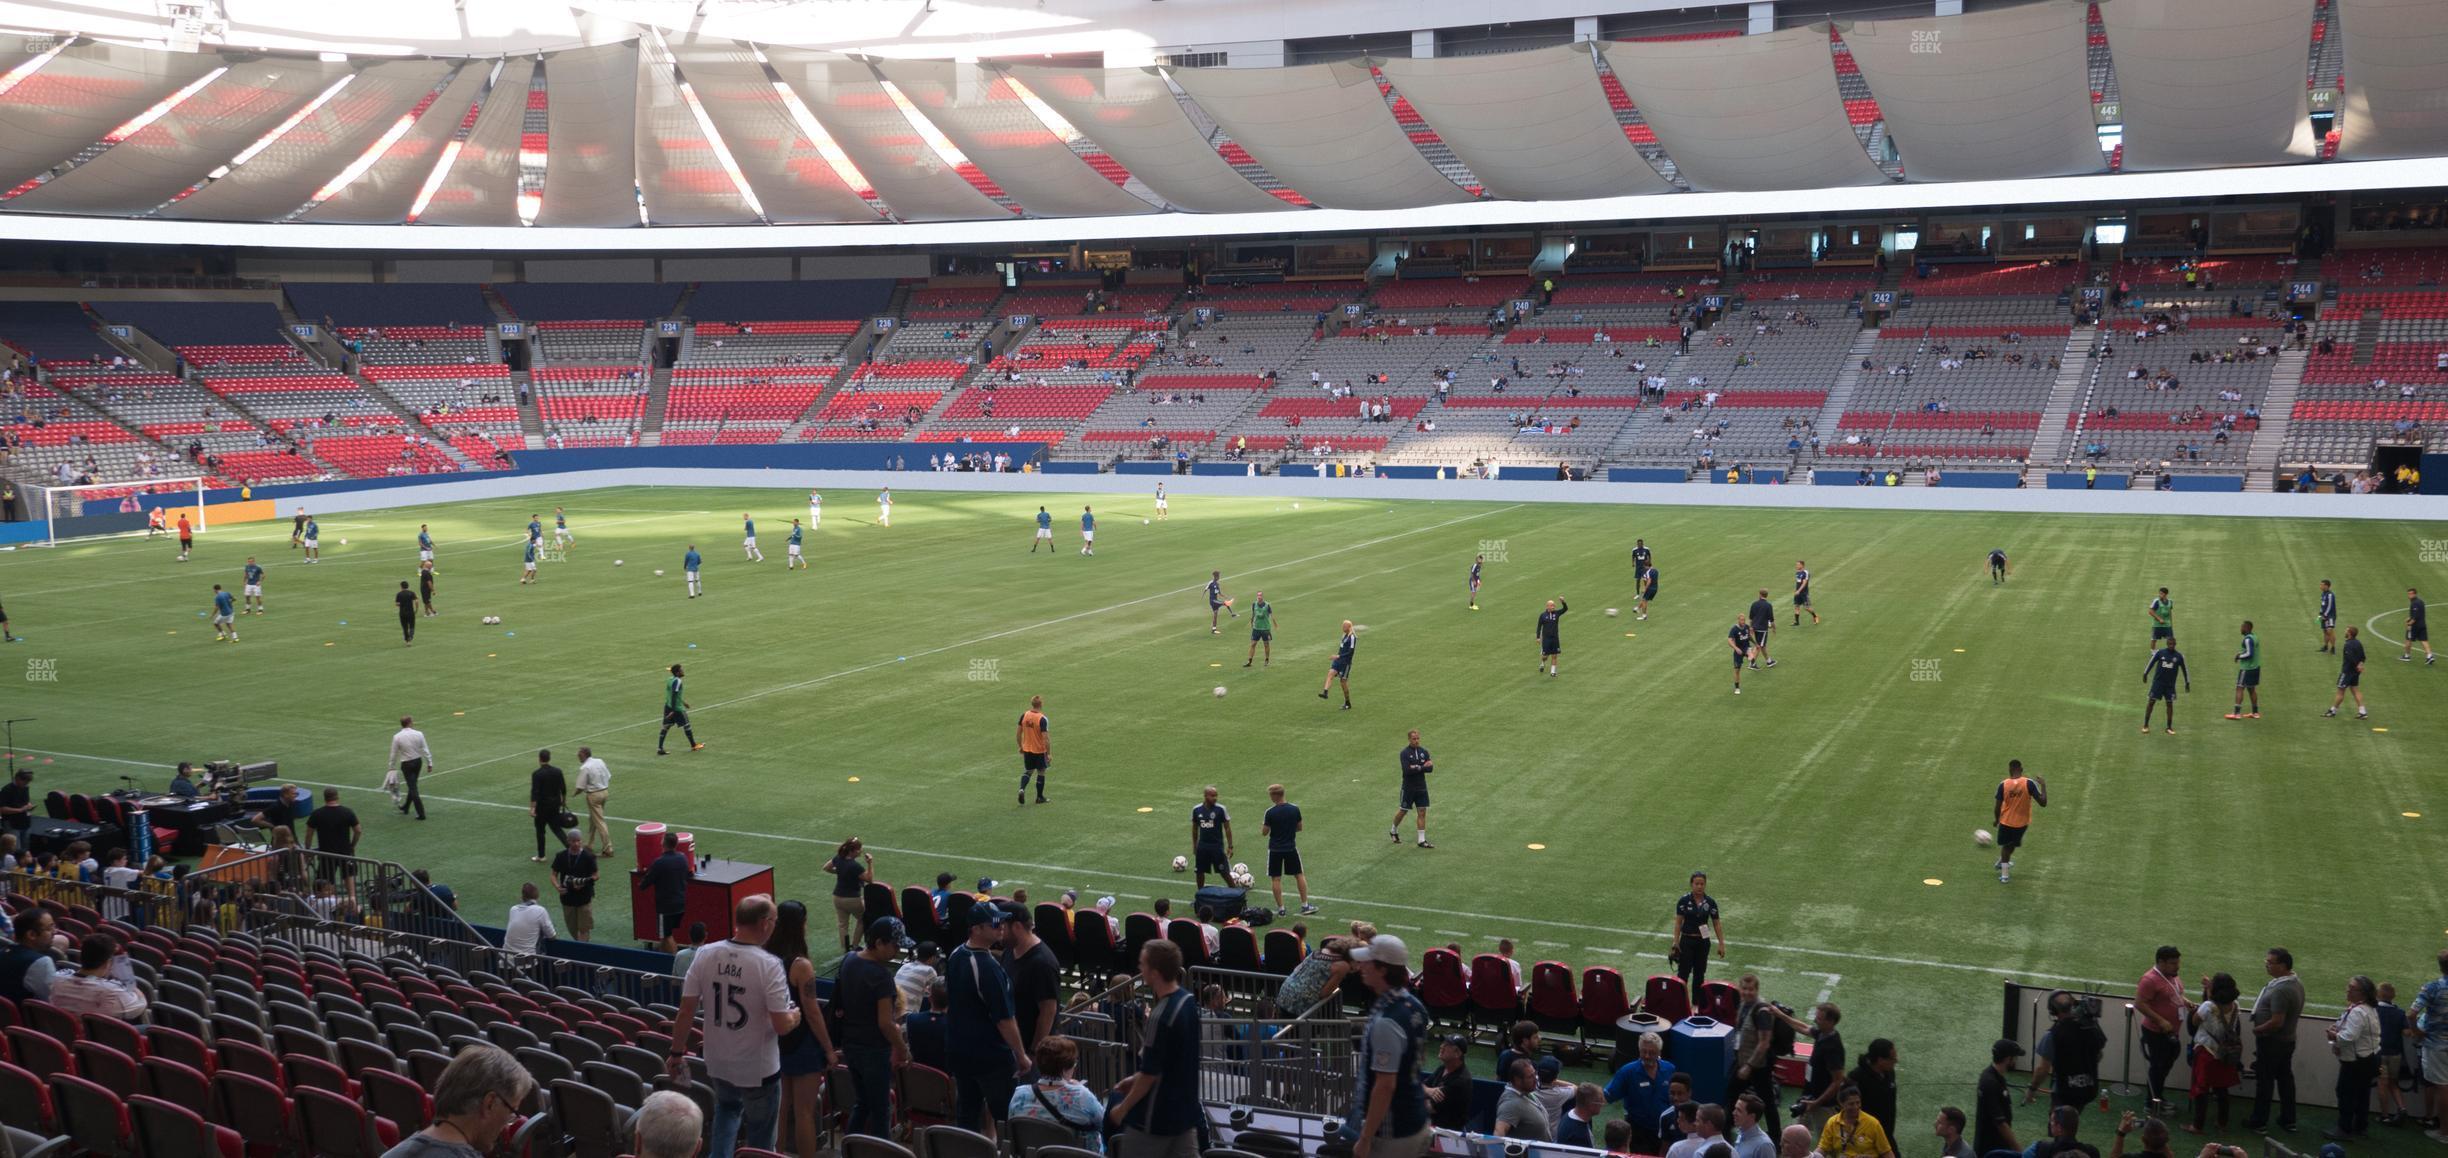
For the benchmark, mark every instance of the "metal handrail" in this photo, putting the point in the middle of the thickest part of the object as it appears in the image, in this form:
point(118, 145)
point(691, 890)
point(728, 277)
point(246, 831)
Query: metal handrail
point(372, 892)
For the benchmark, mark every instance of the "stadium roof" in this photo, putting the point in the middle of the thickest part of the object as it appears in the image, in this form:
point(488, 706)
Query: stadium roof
point(688, 129)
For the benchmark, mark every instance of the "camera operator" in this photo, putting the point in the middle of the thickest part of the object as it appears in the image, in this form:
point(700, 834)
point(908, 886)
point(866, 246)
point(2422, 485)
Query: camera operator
point(2070, 1051)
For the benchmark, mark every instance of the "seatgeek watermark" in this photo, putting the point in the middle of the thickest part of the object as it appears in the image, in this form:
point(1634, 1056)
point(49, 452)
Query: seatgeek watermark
point(42, 671)
point(2433, 551)
point(985, 671)
point(1492, 550)
point(1925, 671)
point(1925, 42)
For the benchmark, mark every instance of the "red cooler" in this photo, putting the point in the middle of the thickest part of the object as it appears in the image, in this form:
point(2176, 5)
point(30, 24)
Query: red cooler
point(649, 843)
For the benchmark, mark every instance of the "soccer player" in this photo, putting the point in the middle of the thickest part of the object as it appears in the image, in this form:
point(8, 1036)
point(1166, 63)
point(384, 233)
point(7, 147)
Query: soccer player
point(1802, 595)
point(407, 602)
point(253, 589)
point(1648, 593)
point(1262, 630)
point(425, 586)
point(2165, 666)
point(2015, 796)
point(2418, 630)
point(2248, 676)
point(1217, 603)
point(297, 529)
point(748, 540)
point(1281, 827)
point(1477, 561)
point(2350, 675)
point(2328, 618)
point(1211, 839)
point(884, 508)
point(2163, 619)
point(5, 636)
point(1696, 920)
point(815, 510)
point(314, 539)
point(689, 563)
point(424, 545)
point(1340, 670)
point(535, 528)
point(156, 523)
point(1087, 531)
point(797, 539)
point(1551, 635)
point(1740, 640)
point(1997, 566)
point(1763, 621)
point(675, 715)
point(561, 531)
point(1640, 557)
point(224, 616)
point(1416, 765)
point(1162, 505)
point(1045, 533)
point(528, 575)
point(186, 538)
point(1034, 750)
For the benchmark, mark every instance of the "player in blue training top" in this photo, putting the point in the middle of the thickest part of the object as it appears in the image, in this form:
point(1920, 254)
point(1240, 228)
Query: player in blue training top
point(2417, 629)
point(748, 540)
point(1045, 533)
point(1087, 531)
point(561, 531)
point(1648, 593)
point(797, 540)
point(1997, 566)
point(1740, 640)
point(529, 574)
point(535, 528)
point(2165, 666)
point(254, 586)
point(1217, 604)
point(1477, 561)
point(1340, 670)
point(2328, 618)
point(314, 540)
point(424, 544)
point(689, 563)
point(1802, 594)
point(224, 616)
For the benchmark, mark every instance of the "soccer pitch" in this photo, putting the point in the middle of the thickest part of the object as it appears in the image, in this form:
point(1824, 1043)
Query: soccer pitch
point(1832, 802)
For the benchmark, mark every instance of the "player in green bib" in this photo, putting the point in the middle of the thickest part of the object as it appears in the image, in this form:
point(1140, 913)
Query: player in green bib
point(2248, 676)
point(2163, 620)
point(675, 715)
point(1262, 630)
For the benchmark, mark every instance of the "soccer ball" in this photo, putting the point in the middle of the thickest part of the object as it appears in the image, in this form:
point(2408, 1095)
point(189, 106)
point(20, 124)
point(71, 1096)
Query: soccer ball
point(492, 619)
point(1219, 692)
point(1981, 837)
point(1240, 869)
point(658, 572)
point(1243, 880)
point(616, 562)
point(344, 542)
point(1612, 612)
point(1143, 522)
point(1181, 864)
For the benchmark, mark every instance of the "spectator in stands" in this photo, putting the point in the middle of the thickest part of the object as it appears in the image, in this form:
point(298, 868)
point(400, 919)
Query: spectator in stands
point(2355, 1037)
point(852, 867)
point(1518, 1113)
point(667, 878)
point(474, 1100)
point(529, 926)
point(336, 832)
point(1854, 1133)
point(1640, 1087)
point(1521, 1040)
point(872, 1040)
point(807, 1052)
point(1036, 974)
point(2159, 999)
point(1875, 1076)
point(1674, 1123)
point(1056, 1096)
point(918, 975)
point(669, 1125)
point(104, 983)
point(1579, 1121)
point(1950, 1128)
point(2273, 1026)
point(1158, 1105)
point(741, 1035)
point(1749, 1139)
point(984, 1034)
point(2063, 1123)
point(1555, 1095)
point(1448, 1089)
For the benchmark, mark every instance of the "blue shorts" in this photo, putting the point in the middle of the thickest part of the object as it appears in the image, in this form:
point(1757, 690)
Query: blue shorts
point(2248, 677)
point(1211, 860)
point(1341, 667)
point(1414, 795)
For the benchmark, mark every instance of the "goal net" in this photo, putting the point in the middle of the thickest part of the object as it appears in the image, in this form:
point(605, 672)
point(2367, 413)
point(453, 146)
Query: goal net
point(97, 509)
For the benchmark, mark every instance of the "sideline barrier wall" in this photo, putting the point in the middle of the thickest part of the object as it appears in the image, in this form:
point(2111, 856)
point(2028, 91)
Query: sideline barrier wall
point(462, 488)
point(1644, 474)
point(2206, 482)
point(2072, 480)
point(1750, 478)
point(1143, 468)
point(1989, 479)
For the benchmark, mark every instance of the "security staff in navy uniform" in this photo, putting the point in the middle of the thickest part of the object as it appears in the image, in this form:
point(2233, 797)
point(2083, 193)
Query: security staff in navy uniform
point(1695, 924)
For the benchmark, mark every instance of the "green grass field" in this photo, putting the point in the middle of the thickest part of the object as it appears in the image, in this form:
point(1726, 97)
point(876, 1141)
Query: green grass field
point(1832, 802)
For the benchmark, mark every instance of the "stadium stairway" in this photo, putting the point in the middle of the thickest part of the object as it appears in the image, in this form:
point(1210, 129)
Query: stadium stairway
point(2364, 348)
point(1840, 394)
point(2277, 414)
point(531, 420)
point(155, 355)
point(798, 428)
point(2073, 385)
point(658, 400)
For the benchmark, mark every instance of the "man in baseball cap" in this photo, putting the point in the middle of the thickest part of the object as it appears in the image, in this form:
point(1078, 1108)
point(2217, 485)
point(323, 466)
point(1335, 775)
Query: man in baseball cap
point(1394, 1123)
point(980, 1030)
point(1993, 1109)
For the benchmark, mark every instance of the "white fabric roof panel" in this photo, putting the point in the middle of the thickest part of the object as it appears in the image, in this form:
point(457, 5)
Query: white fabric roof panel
point(1746, 113)
point(791, 179)
point(677, 169)
point(1998, 94)
point(2392, 54)
point(482, 185)
point(383, 194)
point(590, 161)
point(2209, 84)
point(1323, 129)
point(1532, 125)
point(847, 99)
point(1132, 115)
point(178, 148)
point(86, 91)
point(274, 182)
point(983, 117)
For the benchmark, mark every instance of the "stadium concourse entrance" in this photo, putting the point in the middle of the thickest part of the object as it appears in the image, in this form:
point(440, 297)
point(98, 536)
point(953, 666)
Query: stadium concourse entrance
point(2390, 457)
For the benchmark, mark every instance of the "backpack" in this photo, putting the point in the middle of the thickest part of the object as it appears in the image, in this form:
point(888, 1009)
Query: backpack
point(1781, 1032)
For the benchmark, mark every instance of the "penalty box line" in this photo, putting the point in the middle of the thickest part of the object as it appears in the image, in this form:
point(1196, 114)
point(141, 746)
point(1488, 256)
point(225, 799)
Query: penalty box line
point(801, 685)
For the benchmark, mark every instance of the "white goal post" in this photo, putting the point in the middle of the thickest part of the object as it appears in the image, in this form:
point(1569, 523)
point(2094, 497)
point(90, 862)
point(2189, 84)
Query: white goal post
point(177, 495)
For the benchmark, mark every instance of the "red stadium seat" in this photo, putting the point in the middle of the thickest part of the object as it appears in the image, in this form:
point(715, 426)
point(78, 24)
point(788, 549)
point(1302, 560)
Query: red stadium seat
point(1441, 985)
point(1666, 998)
point(1494, 1000)
point(1603, 1001)
point(1552, 1003)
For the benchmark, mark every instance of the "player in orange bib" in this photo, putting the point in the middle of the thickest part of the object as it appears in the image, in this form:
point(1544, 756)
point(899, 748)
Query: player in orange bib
point(1033, 748)
point(2015, 796)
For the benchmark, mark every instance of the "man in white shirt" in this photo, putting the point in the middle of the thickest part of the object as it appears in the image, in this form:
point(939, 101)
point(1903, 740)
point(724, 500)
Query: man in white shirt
point(1709, 1122)
point(104, 983)
point(529, 925)
point(410, 757)
point(747, 1003)
point(595, 784)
